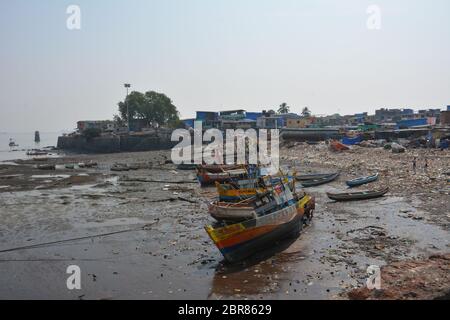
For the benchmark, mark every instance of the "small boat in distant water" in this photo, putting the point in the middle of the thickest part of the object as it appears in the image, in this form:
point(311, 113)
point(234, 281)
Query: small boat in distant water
point(12, 143)
point(36, 152)
point(362, 180)
point(362, 195)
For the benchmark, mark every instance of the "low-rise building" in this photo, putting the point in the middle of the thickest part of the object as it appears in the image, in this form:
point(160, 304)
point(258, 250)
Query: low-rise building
point(103, 125)
point(445, 117)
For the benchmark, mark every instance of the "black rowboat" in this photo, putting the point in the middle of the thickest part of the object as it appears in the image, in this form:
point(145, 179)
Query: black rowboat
point(311, 176)
point(187, 166)
point(362, 195)
point(320, 181)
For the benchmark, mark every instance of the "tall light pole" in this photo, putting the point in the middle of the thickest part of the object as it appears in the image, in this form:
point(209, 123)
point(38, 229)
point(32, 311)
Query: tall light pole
point(127, 86)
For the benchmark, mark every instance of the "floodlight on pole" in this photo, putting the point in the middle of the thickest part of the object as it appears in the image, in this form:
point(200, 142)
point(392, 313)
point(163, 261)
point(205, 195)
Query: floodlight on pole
point(127, 86)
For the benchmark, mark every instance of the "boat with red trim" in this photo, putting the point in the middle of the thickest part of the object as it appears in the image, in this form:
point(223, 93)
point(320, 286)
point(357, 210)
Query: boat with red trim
point(238, 241)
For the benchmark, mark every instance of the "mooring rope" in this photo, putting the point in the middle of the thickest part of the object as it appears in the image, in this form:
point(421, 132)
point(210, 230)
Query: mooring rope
point(76, 239)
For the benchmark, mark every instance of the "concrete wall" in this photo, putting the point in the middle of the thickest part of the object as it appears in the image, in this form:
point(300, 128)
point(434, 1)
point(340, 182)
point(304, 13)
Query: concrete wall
point(117, 143)
point(309, 134)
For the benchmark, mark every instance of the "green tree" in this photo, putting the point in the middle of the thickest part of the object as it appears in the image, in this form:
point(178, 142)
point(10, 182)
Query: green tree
point(306, 112)
point(153, 107)
point(135, 101)
point(119, 122)
point(284, 108)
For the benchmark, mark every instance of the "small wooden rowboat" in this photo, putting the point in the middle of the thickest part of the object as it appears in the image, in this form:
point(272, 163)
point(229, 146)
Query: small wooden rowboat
point(320, 181)
point(312, 176)
point(241, 240)
point(186, 166)
point(362, 195)
point(46, 167)
point(238, 211)
point(362, 180)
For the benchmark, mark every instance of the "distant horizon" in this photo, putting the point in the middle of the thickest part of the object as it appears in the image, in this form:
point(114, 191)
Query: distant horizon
point(329, 56)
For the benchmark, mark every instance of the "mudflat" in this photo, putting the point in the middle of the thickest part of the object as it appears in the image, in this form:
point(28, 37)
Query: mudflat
point(139, 233)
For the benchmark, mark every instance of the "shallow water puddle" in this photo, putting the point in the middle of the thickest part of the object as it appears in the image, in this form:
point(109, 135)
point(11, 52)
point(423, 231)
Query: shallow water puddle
point(50, 176)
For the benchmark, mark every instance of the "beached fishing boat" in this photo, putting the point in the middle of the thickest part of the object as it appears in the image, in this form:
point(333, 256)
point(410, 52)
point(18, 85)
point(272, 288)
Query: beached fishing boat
point(248, 188)
point(362, 195)
point(238, 241)
point(46, 167)
point(311, 176)
point(262, 203)
point(115, 167)
point(338, 146)
point(362, 180)
point(186, 166)
point(207, 178)
point(40, 158)
point(320, 181)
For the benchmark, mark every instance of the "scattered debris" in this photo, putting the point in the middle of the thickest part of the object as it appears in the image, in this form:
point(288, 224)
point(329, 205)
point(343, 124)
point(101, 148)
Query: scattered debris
point(411, 279)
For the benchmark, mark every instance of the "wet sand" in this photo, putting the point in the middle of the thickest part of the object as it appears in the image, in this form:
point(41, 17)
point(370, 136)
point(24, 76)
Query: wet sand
point(168, 255)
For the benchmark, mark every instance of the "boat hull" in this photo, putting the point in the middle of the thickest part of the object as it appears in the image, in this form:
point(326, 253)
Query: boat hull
point(241, 240)
point(312, 176)
point(354, 196)
point(320, 181)
point(187, 166)
point(361, 181)
point(249, 248)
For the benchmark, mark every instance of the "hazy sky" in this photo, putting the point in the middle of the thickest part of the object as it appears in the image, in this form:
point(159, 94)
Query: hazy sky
point(212, 54)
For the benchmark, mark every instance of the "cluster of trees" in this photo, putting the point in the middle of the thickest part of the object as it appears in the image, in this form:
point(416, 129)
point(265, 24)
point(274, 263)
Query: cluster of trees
point(284, 108)
point(156, 109)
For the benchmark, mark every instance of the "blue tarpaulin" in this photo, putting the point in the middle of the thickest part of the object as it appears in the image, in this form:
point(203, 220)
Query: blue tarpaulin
point(443, 144)
point(351, 141)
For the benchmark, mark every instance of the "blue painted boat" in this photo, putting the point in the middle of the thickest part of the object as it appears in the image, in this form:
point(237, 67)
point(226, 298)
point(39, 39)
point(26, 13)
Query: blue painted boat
point(362, 180)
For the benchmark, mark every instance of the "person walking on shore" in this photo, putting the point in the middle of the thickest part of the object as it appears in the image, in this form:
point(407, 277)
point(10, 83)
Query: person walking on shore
point(426, 165)
point(414, 164)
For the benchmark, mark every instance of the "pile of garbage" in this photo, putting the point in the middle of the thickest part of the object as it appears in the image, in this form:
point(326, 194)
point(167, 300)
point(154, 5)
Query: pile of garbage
point(412, 279)
point(395, 165)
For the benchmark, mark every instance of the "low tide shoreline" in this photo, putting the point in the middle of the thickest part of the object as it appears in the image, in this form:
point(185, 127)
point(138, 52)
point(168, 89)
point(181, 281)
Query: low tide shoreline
point(174, 258)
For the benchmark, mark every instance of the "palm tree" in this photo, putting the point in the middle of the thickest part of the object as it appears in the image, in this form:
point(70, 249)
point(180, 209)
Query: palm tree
point(284, 108)
point(306, 112)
